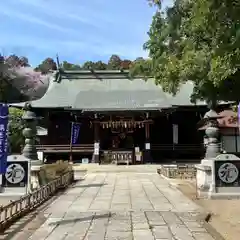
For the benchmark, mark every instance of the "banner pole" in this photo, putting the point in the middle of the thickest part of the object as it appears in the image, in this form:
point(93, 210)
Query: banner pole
point(71, 157)
point(1, 183)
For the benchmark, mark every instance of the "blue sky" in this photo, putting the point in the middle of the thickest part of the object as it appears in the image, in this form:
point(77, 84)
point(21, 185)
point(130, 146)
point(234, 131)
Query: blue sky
point(76, 30)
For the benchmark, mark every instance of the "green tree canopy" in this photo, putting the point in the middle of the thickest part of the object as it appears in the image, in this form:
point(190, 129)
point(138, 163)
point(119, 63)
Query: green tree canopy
point(15, 136)
point(99, 65)
point(70, 66)
point(46, 66)
point(197, 40)
point(114, 62)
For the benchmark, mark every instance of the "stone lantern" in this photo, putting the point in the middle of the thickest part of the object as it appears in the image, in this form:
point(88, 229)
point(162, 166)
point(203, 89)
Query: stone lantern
point(213, 144)
point(213, 149)
point(29, 132)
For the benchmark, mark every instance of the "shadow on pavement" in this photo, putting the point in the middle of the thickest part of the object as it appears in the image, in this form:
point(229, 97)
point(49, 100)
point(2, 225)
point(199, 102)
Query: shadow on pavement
point(83, 219)
point(89, 185)
point(27, 224)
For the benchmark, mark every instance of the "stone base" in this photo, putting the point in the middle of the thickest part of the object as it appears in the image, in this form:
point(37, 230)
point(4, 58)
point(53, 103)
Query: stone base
point(169, 171)
point(206, 186)
point(13, 192)
point(221, 195)
point(204, 178)
point(35, 177)
point(180, 171)
point(17, 190)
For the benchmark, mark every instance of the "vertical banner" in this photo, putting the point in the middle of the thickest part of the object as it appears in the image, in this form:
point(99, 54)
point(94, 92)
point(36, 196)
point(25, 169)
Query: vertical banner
point(3, 137)
point(75, 132)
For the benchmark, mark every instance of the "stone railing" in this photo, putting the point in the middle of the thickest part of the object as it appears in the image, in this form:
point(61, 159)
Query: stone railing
point(16, 209)
point(186, 171)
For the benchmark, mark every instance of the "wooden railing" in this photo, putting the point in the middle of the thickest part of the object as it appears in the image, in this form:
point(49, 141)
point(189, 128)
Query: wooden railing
point(121, 156)
point(89, 148)
point(66, 148)
point(16, 209)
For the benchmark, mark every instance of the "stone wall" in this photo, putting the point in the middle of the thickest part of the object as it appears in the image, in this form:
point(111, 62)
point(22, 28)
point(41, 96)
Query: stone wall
point(186, 171)
point(49, 172)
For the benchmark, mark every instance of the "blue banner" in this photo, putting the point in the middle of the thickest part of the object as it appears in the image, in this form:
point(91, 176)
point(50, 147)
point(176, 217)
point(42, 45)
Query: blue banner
point(75, 132)
point(3, 137)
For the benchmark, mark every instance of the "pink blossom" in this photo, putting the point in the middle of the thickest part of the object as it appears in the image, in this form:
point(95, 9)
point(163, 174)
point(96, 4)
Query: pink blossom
point(31, 83)
point(27, 81)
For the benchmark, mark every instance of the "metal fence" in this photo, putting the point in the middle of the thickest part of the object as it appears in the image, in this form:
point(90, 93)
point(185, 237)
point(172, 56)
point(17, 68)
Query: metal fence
point(16, 209)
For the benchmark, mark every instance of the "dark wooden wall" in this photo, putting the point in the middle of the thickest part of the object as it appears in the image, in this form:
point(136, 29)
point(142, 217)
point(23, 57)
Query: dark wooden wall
point(161, 133)
point(189, 138)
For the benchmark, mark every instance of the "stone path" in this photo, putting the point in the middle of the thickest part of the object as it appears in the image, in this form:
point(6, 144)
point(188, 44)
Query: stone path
point(124, 206)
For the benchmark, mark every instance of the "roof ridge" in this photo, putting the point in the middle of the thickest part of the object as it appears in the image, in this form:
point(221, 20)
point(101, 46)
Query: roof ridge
point(62, 71)
point(62, 74)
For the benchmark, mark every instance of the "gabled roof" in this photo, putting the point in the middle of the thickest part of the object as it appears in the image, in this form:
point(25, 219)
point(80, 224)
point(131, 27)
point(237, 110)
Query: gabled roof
point(109, 90)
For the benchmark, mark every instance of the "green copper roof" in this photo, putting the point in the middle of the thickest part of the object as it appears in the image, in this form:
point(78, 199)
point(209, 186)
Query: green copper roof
point(108, 90)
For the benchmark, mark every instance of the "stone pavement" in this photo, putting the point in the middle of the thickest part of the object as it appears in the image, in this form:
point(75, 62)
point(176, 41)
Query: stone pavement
point(108, 206)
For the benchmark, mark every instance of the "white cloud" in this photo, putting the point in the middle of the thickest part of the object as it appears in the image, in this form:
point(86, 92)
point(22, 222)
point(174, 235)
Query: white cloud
point(32, 19)
point(122, 36)
point(26, 41)
point(74, 11)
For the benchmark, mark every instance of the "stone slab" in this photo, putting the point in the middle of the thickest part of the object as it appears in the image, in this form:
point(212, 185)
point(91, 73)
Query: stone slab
point(127, 206)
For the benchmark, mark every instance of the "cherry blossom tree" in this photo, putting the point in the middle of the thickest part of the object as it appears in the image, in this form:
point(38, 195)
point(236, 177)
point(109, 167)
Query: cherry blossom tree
point(30, 83)
point(19, 81)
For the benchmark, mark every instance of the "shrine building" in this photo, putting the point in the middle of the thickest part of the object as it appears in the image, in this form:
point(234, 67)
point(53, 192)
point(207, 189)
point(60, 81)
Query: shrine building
point(122, 120)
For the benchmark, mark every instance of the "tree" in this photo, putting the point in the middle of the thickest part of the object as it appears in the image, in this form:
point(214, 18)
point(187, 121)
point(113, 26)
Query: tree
point(69, 66)
point(88, 65)
point(114, 62)
point(19, 82)
point(196, 40)
point(99, 65)
point(15, 128)
point(30, 83)
point(16, 61)
point(47, 66)
point(125, 64)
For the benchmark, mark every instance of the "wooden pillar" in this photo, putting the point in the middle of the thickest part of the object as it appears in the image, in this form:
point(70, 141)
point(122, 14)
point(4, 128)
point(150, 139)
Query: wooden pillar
point(147, 151)
point(96, 158)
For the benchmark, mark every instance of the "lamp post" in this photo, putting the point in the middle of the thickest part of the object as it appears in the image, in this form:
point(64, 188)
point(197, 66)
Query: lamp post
point(29, 132)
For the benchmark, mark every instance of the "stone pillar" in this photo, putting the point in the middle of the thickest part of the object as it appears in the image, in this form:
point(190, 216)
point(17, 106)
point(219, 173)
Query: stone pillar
point(96, 158)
